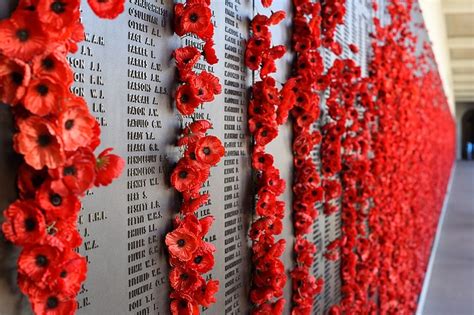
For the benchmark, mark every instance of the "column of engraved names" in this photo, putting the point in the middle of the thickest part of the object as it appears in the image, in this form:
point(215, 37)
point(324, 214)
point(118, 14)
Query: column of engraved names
point(89, 84)
point(234, 142)
point(144, 168)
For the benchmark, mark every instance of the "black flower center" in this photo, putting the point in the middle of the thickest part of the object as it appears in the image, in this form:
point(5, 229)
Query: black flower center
point(70, 170)
point(69, 124)
point(22, 35)
point(194, 17)
point(48, 63)
point(184, 98)
point(181, 243)
point(183, 174)
point(41, 261)
point(52, 302)
point(63, 274)
point(42, 89)
point(206, 151)
point(261, 159)
point(17, 78)
point(58, 7)
point(198, 259)
point(183, 304)
point(184, 276)
point(56, 200)
point(44, 140)
point(30, 224)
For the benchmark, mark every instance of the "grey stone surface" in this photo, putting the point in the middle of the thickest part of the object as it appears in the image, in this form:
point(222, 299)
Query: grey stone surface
point(451, 286)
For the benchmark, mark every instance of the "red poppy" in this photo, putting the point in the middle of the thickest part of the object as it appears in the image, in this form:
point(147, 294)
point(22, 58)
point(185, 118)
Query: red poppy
point(261, 160)
point(209, 52)
point(55, 204)
point(184, 280)
point(108, 167)
point(75, 127)
point(183, 304)
point(30, 180)
point(203, 259)
point(107, 9)
point(15, 78)
point(38, 142)
point(275, 308)
point(198, 126)
point(76, 175)
point(186, 99)
point(206, 85)
point(50, 303)
point(22, 36)
point(186, 57)
point(38, 263)
point(24, 223)
point(196, 18)
point(43, 96)
point(58, 14)
point(193, 203)
point(53, 64)
point(71, 274)
point(188, 175)
point(209, 150)
point(63, 232)
point(205, 294)
point(267, 3)
point(181, 244)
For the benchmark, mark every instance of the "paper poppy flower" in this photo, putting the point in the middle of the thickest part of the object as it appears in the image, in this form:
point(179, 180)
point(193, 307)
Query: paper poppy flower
point(71, 274)
point(181, 244)
point(43, 96)
point(107, 9)
point(55, 204)
point(64, 232)
point(38, 142)
point(38, 263)
point(209, 150)
point(76, 175)
point(182, 304)
point(186, 57)
point(203, 259)
point(24, 223)
point(51, 303)
point(205, 295)
point(184, 280)
point(196, 19)
point(209, 52)
point(192, 204)
point(206, 85)
point(108, 167)
point(30, 180)
point(22, 36)
point(188, 175)
point(57, 14)
point(15, 77)
point(186, 99)
point(75, 127)
point(53, 64)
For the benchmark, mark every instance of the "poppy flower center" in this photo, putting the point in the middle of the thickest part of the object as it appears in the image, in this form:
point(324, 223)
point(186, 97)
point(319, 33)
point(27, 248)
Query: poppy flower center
point(183, 174)
point(198, 259)
point(181, 243)
point(184, 98)
point(52, 302)
point(42, 89)
point(58, 7)
point(17, 78)
point(206, 151)
point(44, 140)
point(63, 274)
point(183, 304)
point(56, 200)
point(194, 17)
point(261, 159)
point(264, 133)
point(41, 261)
point(252, 59)
point(30, 224)
point(47, 63)
point(184, 276)
point(22, 35)
point(69, 124)
point(70, 171)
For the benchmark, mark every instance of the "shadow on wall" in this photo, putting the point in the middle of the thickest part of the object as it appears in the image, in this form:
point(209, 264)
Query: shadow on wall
point(467, 135)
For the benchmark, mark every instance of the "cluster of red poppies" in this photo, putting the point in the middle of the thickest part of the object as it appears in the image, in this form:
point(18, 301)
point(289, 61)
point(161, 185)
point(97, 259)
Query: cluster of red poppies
point(56, 136)
point(268, 107)
point(190, 256)
point(307, 190)
point(332, 13)
point(392, 200)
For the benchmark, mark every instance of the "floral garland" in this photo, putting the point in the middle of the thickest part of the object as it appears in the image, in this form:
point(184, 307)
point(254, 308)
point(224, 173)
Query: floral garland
point(307, 190)
point(55, 136)
point(268, 108)
point(190, 256)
